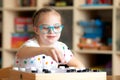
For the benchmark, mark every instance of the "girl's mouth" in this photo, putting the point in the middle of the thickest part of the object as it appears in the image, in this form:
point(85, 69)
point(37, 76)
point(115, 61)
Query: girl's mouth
point(51, 36)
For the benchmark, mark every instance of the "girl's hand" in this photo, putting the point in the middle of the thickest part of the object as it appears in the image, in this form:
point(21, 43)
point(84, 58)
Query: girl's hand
point(54, 53)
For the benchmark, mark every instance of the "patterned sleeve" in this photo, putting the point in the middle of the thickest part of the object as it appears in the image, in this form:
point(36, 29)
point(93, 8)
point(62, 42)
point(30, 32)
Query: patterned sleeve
point(22, 62)
point(66, 52)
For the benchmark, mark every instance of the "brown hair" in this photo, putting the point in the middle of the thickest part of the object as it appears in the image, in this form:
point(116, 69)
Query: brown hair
point(38, 13)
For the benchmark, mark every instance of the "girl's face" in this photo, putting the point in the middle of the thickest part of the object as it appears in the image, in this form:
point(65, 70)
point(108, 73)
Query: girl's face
point(50, 37)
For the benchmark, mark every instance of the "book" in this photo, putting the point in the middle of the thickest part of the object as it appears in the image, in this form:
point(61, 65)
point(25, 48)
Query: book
point(23, 24)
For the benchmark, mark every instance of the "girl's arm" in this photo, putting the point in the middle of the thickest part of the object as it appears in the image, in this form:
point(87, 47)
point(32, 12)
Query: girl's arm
point(75, 63)
point(27, 52)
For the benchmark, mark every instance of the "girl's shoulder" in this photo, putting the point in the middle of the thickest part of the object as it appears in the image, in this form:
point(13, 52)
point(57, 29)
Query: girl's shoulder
point(32, 42)
point(61, 44)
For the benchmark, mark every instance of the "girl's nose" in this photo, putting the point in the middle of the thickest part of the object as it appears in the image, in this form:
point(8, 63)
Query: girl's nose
point(51, 30)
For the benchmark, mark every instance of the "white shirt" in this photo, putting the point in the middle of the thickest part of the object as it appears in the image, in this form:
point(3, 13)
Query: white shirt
point(43, 61)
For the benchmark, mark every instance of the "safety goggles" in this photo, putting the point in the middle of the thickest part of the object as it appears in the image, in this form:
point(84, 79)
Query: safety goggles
point(44, 28)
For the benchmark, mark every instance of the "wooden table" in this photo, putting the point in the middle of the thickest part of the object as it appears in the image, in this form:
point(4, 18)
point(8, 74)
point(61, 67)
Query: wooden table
point(17, 75)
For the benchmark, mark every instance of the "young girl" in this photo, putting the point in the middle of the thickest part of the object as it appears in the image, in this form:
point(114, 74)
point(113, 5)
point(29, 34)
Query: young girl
point(44, 50)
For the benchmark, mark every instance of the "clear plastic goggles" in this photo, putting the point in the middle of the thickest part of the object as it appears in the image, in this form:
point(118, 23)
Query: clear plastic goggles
point(44, 28)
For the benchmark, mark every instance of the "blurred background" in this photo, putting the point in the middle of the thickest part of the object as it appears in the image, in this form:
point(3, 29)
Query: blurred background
point(91, 30)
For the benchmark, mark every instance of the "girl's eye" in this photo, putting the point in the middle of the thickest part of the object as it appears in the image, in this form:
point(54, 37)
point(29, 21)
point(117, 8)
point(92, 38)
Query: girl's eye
point(45, 28)
point(56, 27)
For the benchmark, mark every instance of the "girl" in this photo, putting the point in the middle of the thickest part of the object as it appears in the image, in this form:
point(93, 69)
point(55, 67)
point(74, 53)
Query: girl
point(44, 50)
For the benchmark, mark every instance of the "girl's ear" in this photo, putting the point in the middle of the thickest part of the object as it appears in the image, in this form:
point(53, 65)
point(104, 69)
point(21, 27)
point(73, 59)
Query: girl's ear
point(36, 30)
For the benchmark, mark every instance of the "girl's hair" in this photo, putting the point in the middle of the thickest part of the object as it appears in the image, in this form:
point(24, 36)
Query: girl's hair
point(39, 13)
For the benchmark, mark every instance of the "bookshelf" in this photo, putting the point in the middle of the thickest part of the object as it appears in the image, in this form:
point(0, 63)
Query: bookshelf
point(110, 14)
point(72, 14)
